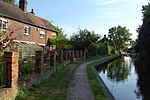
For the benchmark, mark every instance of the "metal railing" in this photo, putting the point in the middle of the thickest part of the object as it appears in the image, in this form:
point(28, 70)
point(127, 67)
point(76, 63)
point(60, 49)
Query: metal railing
point(26, 65)
point(2, 64)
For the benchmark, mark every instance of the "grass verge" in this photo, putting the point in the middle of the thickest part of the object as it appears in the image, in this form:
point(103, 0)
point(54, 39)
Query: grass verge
point(55, 87)
point(94, 83)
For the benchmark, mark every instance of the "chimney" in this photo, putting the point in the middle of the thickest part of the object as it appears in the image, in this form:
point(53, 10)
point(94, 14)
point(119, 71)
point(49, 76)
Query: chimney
point(23, 5)
point(32, 12)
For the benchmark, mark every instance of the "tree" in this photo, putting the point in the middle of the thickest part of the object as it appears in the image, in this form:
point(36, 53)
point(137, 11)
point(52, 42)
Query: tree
point(119, 37)
point(13, 2)
point(61, 40)
point(51, 42)
point(144, 32)
point(83, 39)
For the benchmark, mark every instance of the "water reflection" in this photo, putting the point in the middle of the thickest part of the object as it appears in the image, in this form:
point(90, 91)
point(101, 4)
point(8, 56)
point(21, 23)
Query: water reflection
point(118, 70)
point(121, 77)
point(127, 78)
point(142, 66)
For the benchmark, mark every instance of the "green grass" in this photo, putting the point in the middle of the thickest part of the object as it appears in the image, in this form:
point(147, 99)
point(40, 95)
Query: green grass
point(55, 87)
point(95, 85)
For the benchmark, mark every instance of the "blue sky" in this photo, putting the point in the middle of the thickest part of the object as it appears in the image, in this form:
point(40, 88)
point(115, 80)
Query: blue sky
point(97, 15)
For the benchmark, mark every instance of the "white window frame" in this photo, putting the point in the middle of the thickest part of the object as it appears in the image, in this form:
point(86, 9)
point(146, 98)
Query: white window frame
point(3, 24)
point(42, 34)
point(26, 30)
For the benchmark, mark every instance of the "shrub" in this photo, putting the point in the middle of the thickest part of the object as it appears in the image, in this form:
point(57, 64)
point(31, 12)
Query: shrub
point(26, 68)
point(103, 48)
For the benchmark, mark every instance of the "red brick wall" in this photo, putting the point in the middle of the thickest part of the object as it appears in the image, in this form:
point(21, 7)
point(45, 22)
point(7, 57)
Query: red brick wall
point(34, 36)
point(11, 78)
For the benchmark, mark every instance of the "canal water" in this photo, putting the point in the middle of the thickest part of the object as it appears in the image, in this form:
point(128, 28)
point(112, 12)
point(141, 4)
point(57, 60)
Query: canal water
point(121, 78)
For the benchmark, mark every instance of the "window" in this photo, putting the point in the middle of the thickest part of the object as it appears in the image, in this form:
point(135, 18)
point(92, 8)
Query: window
point(26, 30)
point(42, 34)
point(3, 24)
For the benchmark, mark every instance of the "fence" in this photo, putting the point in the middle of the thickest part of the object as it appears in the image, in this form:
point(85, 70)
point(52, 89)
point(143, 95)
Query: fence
point(26, 65)
point(32, 64)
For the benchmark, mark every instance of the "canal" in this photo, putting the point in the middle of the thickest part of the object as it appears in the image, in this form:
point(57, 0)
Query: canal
point(122, 78)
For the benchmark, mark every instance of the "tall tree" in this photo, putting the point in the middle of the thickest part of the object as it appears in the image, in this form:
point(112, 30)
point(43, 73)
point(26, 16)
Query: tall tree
point(61, 39)
point(144, 32)
point(83, 39)
point(120, 37)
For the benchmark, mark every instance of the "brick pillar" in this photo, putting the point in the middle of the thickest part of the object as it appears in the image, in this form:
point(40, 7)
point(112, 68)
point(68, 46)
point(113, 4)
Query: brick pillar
point(39, 61)
point(81, 53)
point(53, 58)
point(66, 55)
point(48, 53)
point(61, 56)
point(69, 55)
point(84, 54)
point(77, 53)
point(72, 55)
point(10, 69)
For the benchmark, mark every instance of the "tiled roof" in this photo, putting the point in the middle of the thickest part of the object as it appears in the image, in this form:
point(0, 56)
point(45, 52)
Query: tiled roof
point(12, 12)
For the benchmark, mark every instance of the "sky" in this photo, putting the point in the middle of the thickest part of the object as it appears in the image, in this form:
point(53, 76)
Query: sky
point(96, 15)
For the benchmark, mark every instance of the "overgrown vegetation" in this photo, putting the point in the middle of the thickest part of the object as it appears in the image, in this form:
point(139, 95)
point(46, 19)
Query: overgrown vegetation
point(95, 85)
point(144, 32)
point(53, 88)
point(26, 68)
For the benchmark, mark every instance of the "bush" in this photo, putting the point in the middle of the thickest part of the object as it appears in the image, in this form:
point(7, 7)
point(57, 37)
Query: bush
point(111, 50)
point(26, 68)
point(93, 50)
point(103, 48)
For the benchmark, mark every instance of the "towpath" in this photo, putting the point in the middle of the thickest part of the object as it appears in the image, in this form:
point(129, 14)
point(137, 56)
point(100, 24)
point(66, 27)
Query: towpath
point(79, 88)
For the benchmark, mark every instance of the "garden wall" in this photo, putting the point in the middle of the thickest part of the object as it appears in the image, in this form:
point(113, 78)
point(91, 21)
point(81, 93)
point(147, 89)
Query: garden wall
point(12, 84)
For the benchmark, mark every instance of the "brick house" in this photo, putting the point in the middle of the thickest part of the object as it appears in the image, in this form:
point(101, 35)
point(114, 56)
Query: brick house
point(25, 26)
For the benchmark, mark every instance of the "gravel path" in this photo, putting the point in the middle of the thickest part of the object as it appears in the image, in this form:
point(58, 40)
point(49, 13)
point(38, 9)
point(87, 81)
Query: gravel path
point(79, 88)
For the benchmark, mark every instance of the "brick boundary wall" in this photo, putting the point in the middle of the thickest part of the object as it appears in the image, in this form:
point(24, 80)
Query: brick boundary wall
point(13, 85)
point(10, 91)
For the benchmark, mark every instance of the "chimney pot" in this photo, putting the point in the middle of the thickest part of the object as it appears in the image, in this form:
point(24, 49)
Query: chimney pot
point(32, 11)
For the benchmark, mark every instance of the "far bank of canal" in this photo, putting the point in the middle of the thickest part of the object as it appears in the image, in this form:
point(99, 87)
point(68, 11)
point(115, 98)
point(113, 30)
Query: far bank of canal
point(121, 78)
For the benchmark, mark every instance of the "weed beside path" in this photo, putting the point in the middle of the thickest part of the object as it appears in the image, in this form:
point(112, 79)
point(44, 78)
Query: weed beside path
point(98, 87)
point(52, 88)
